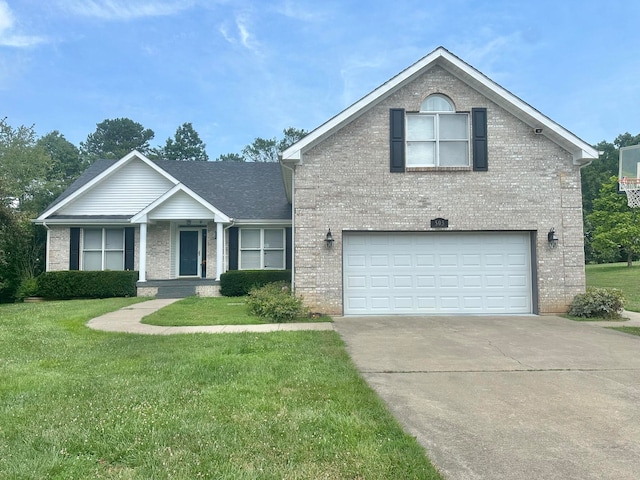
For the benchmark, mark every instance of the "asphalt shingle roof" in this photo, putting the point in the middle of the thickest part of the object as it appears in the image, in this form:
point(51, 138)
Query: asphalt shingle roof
point(241, 190)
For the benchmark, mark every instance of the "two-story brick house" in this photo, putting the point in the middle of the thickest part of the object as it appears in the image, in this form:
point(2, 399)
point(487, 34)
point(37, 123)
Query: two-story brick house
point(443, 193)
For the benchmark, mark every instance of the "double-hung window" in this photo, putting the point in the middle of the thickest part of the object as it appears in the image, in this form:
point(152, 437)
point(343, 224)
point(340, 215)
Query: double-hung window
point(437, 136)
point(103, 249)
point(262, 248)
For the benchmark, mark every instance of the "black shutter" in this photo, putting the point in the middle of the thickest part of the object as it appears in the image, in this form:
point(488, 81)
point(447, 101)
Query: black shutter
point(396, 139)
point(129, 247)
point(289, 247)
point(480, 151)
point(74, 249)
point(233, 248)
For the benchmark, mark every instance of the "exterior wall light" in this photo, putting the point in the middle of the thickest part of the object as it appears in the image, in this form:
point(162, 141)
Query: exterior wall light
point(552, 238)
point(328, 239)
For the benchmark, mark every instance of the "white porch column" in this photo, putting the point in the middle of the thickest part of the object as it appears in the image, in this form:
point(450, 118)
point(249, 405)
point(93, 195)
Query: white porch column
point(219, 250)
point(142, 261)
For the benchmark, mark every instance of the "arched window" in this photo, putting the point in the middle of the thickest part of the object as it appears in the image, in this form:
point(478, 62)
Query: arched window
point(437, 103)
point(437, 136)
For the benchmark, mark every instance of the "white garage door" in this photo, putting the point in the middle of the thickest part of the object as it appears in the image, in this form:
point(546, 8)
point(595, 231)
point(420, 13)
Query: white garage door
point(436, 273)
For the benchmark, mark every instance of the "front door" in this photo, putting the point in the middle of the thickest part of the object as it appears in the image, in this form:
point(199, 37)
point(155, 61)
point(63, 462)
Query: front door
point(189, 253)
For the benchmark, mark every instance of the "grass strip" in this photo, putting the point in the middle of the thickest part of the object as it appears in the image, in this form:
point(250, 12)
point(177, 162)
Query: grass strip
point(197, 311)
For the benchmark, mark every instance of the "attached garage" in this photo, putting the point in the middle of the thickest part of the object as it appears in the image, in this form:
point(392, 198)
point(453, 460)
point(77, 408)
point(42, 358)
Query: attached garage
point(391, 273)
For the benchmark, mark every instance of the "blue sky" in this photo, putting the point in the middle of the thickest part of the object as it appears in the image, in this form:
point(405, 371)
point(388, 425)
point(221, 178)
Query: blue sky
point(242, 69)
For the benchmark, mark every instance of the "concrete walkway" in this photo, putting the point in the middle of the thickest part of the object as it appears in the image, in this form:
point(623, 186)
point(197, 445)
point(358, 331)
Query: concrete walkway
point(128, 319)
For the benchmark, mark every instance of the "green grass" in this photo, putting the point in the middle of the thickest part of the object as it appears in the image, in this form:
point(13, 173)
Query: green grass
point(617, 275)
point(196, 311)
point(77, 403)
point(629, 330)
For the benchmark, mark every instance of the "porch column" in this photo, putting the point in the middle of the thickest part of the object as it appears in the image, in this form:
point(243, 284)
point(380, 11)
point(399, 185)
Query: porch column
point(142, 262)
point(219, 250)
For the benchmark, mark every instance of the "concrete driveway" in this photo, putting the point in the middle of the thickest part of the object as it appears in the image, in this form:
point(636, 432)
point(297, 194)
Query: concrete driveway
point(521, 397)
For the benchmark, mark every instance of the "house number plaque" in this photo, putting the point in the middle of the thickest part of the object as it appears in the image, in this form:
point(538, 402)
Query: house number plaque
point(439, 223)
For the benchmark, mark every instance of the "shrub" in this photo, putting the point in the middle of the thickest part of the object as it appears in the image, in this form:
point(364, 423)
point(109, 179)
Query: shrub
point(598, 302)
point(81, 284)
point(237, 283)
point(28, 288)
point(276, 302)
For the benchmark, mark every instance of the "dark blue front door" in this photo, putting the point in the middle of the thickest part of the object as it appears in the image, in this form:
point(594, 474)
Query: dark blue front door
point(188, 253)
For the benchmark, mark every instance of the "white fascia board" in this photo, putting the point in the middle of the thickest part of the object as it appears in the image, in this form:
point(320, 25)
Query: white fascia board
point(468, 74)
point(272, 223)
point(218, 216)
point(82, 221)
point(99, 178)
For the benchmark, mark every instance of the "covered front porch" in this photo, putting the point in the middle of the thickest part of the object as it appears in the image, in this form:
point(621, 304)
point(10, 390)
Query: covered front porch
point(181, 237)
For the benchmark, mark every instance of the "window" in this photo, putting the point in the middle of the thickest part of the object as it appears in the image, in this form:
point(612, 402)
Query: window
point(437, 136)
point(103, 249)
point(262, 248)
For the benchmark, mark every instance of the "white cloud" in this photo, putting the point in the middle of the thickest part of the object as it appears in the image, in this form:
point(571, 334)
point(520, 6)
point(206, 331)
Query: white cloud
point(123, 9)
point(9, 37)
point(241, 34)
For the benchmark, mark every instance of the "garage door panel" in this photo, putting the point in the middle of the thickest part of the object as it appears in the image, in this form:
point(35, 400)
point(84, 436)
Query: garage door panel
point(379, 260)
point(438, 272)
point(448, 281)
point(403, 281)
point(355, 260)
point(402, 261)
point(380, 303)
point(379, 281)
point(425, 260)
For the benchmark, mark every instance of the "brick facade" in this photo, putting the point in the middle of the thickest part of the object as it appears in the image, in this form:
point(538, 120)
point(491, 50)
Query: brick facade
point(344, 183)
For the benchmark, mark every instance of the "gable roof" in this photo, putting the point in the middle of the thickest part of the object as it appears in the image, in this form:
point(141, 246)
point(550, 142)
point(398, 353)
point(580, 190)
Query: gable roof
point(582, 152)
point(235, 190)
point(242, 190)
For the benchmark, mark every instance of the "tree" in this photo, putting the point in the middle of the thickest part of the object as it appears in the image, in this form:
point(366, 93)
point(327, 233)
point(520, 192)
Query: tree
point(595, 175)
point(24, 188)
point(266, 150)
point(230, 157)
point(66, 164)
point(115, 138)
point(23, 167)
point(615, 226)
point(186, 145)
point(598, 172)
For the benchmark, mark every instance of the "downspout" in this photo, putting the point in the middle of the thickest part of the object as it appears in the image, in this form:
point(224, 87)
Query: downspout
point(293, 220)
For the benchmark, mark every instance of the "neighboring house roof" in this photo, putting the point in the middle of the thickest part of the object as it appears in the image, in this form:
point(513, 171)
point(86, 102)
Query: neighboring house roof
point(582, 152)
point(241, 191)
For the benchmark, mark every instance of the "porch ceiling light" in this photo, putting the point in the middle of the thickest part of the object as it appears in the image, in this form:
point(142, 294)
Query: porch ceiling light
point(552, 238)
point(328, 239)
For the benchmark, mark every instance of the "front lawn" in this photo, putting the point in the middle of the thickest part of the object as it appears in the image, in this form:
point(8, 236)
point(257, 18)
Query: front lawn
point(77, 403)
point(196, 311)
point(617, 275)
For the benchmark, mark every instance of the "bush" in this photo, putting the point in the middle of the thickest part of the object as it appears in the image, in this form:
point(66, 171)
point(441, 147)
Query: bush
point(598, 302)
point(276, 302)
point(238, 283)
point(81, 284)
point(28, 288)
